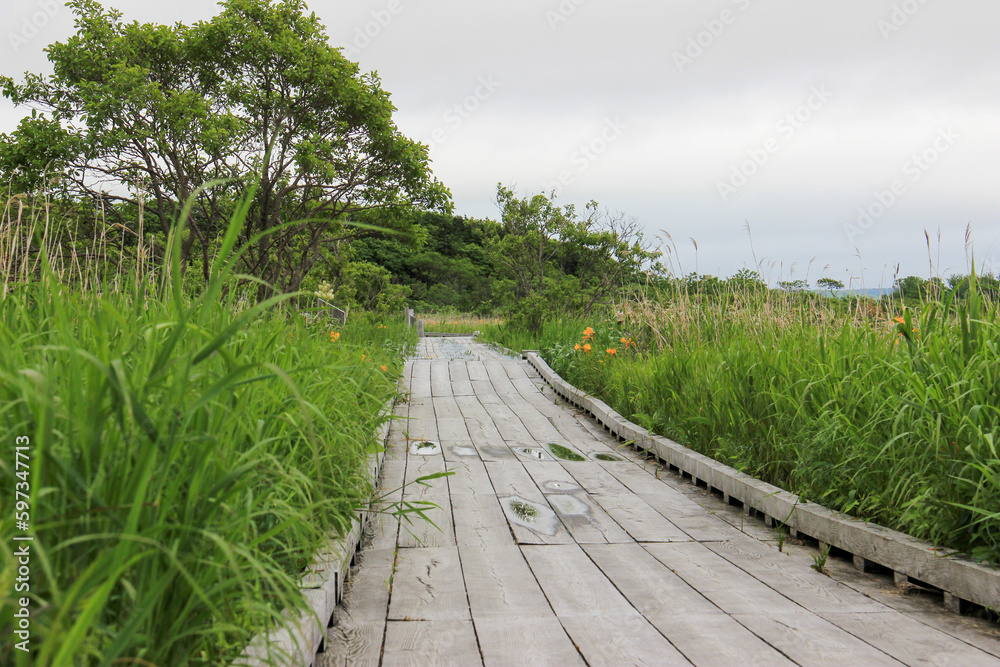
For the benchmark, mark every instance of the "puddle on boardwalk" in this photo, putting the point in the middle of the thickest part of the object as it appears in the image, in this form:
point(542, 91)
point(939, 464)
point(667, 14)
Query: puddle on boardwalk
point(539, 518)
point(608, 457)
point(534, 453)
point(425, 448)
point(464, 451)
point(565, 453)
point(495, 453)
point(457, 349)
point(562, 487)
point(568, 505)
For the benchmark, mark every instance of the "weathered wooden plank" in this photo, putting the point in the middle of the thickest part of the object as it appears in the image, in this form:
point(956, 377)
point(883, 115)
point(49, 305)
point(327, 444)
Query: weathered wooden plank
point(693, 519)
point(367, 594)
point(485, 393)
point(356, 638)
point(515, 368)
point(679, 612)
point(730, 588)
point(551, 477)
point(585, 520)
point(572, 583)
point(420, 383)
point(537, 424)
point(382, 528)
point(471, 407)
point(477, 371)
point(621, 641)
point(458, 371)
point(446, 407)
point(570, 428)
point(428, 585)
point(810, 640)
point(422, 428)
point(804, 585)
point(640, 520)
point(420, 408)
point(909, 640)
point(452, 429)
point(512, 640)
point(973, 631)
point(440, 378)
point(393, 475)
point(506, 421)
point(482, 431)
point(415, 531)
point(640, 482)
point(509, 478)
point(595, 479)
point(470, 478)
point(459, 450)
point(421, 643)
point(495, 452)
point(533, 522)
point(461, 383)
point(480, 522)
point(421, 466)
point(498, 377)
point(500, 585)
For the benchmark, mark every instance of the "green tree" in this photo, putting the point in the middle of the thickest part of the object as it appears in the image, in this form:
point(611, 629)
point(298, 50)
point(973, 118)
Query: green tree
point(370, 287)
point(256, 96)
point(555, 261)
point(793, 285)
point(830, 284)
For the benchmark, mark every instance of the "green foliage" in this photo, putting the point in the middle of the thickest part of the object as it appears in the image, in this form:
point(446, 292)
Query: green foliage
point(830, 284)
point(556, 262)
point(896, 422)
point(256, 95)
point(444, 262)
point(370, 287)
point(187, 459)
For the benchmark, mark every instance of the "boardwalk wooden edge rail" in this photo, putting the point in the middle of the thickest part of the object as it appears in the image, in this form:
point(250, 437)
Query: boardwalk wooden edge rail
point(909, 558)
point(322, 585)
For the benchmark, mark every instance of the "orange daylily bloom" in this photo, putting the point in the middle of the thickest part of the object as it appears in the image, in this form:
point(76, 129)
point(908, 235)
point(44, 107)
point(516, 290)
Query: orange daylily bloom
point(899, 320)
point(612, 351)
point(588, 334)
point(334, 336)
point(578, 347)
point(586, 347)
point(384, 367)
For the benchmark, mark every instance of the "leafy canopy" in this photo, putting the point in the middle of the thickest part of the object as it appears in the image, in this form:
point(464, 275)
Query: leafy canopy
point(256, 94)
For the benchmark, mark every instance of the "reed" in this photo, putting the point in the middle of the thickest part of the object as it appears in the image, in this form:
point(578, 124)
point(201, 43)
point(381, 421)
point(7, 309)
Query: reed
point(190, 449)
point(889, 414)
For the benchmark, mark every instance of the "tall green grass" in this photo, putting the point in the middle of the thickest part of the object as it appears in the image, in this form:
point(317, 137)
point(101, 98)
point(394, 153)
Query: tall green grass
point(189, 455)
point(893, 422)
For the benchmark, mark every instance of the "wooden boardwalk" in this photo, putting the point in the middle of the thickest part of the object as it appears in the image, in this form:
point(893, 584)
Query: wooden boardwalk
point(539, 560)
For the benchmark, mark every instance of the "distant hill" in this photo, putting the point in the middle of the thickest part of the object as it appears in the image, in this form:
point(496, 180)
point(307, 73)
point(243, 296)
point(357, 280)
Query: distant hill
point(873, 292)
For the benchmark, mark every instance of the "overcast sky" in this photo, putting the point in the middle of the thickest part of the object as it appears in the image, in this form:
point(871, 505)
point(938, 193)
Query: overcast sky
point(838, 132)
